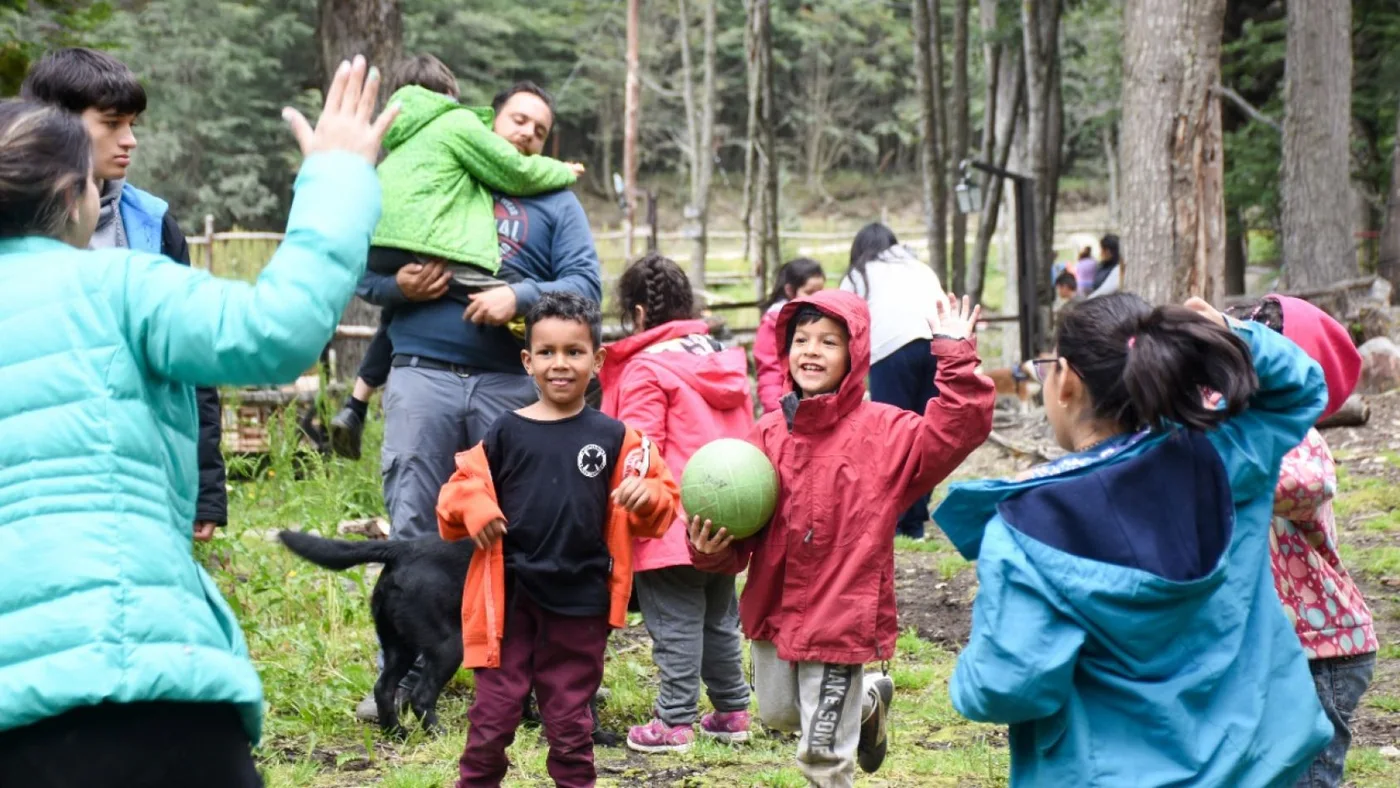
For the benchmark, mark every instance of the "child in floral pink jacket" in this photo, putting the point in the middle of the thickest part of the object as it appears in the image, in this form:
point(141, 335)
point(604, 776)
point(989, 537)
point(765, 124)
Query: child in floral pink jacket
point(1319, 597)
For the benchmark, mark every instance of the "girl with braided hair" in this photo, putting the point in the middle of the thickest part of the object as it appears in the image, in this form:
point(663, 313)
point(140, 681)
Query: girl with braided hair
point(683, 389)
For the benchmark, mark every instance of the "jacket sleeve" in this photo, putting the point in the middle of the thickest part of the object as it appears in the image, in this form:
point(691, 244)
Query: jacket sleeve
point(642, 458)
point(212, 503)
point(769, 365)
point(1020, 658)
point(927, 448)
point(467, 503)
point(498, 165)
point(574, 258)
point(189, 327)
point(642, 404)
point(1306, 481)
point(1291, 396)
point(380, 289)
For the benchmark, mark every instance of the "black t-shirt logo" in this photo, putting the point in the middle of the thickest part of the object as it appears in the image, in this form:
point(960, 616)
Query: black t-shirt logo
point(591, 460)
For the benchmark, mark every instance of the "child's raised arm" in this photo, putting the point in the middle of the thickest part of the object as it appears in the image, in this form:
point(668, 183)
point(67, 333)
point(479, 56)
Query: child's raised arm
point(487, 157)
point(925, 449)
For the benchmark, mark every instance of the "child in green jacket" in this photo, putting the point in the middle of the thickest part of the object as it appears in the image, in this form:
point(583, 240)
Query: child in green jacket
point(443, 162)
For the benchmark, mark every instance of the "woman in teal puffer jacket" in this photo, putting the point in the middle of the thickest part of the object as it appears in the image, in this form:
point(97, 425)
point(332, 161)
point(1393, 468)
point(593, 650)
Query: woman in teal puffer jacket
point(120, 663)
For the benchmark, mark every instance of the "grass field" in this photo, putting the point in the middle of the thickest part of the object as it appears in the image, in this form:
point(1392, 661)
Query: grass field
point(310, 634)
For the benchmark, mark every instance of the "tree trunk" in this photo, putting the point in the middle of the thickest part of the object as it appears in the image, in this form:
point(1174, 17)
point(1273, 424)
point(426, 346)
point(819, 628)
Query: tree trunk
point(1005, 93)
point(1171, 150)
point(631, 117)
point(1389, 265)
point(930, 130)
point(1110, 156)
point(706, 158)
point(1236, 252)
point(760, 212)
point(345, 28)
point(1040, 28)
point(1316, 178)
point(961, 141)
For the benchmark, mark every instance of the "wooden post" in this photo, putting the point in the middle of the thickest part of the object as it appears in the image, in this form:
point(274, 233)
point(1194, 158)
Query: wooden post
point(209, 243)
point(631, 114)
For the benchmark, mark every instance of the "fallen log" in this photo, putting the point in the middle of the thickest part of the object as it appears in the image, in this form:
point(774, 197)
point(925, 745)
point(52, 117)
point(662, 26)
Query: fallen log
point(1354, 413)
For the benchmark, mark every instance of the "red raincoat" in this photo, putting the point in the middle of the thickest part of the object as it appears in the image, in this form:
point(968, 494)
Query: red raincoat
point(821, 575)
point(668, 383)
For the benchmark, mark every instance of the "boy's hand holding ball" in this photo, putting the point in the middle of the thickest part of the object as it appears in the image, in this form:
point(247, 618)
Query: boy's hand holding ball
point(705, 541)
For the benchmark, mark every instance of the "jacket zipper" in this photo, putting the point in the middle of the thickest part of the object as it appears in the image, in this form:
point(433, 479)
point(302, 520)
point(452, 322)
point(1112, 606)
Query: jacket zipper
point(808, 538)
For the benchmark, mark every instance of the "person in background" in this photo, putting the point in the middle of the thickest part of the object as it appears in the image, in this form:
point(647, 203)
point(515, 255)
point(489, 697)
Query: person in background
point(796, 278)
point(902, 293)
point(672, 381)
point(120, 662)
point(1085, 269)
point(1108, 277)
point(1067, 290)
point(105, 93)
point(1327, 609)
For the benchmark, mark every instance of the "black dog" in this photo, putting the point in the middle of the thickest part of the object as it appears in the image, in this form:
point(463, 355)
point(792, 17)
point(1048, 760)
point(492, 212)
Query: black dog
point(417, 610)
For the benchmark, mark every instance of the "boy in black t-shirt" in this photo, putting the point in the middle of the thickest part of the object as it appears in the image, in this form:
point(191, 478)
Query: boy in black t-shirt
point(552, 498)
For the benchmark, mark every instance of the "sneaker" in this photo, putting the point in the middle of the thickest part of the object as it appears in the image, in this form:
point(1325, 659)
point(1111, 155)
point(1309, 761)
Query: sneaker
point(728, 726)
point(657, 736)
point(874, 729)
point(368, 711)
point(345, 431)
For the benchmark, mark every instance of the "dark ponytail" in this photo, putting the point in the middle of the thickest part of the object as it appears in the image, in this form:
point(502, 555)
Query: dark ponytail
point(1146, 367)
point(658, 285)
point(1266, 310)
point(794, 273)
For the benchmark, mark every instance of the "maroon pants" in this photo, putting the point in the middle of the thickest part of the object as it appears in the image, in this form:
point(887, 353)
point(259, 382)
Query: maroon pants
point(562, 658)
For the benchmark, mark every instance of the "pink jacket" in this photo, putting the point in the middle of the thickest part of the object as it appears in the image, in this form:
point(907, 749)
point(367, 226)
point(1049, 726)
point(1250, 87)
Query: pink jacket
point(769, 360)
point(677, 387)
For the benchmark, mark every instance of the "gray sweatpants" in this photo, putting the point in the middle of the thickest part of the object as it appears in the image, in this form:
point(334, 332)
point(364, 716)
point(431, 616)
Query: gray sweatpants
point(824, 703)
point(693, 618)
point(429, 416)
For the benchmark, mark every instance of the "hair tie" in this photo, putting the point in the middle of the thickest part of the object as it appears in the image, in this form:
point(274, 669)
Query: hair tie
point(1132, 341)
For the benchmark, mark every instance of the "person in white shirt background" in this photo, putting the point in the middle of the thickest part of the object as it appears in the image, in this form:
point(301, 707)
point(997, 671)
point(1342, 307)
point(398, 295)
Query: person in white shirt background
point(901, 290)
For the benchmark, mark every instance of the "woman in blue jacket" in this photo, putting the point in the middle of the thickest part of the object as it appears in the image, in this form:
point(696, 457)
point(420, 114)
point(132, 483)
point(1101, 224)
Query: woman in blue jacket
point(120, 663)
point(1125, 624)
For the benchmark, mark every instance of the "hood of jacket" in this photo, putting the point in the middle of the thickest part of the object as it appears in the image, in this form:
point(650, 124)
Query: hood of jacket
point(1328, 343)
point(418, 107)
point(849, 309)
point(719, 376)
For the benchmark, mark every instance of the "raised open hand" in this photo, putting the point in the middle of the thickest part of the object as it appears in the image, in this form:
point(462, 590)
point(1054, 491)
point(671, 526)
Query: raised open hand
point(954, 318)
point(347, 120)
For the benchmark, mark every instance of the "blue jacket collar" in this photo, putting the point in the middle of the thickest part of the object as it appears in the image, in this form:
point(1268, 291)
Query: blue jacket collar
point(142, 216)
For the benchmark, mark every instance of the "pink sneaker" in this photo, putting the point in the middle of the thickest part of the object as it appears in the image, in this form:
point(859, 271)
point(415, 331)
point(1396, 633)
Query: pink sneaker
point(657, 736)
point(730, 726)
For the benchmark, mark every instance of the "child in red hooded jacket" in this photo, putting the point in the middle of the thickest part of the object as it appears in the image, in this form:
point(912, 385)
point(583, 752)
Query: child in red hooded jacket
point(1325, 605)
point(799, 277)
point(682, 389)
point(819, 600)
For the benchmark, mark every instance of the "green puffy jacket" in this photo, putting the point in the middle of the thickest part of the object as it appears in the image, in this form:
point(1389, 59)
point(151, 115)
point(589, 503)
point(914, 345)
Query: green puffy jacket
point(101, 599)
point(444, 161)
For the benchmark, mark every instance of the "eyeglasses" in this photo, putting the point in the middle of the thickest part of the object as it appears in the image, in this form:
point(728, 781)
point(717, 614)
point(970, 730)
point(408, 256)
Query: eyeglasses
point(1038, 364)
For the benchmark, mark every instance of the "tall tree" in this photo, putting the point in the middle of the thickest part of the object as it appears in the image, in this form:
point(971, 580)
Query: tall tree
point(961, 133)
point(1389, 264)
point(927, 73)
point(1316, 176)
point(631, 114)
point(1040, 27)
point(700, 131)
point(1004, 103)
point(373, 28)
point(1171, 150)
point(760, 212)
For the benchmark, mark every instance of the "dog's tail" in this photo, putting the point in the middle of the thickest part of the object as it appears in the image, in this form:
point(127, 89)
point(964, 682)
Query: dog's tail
point(339, 553)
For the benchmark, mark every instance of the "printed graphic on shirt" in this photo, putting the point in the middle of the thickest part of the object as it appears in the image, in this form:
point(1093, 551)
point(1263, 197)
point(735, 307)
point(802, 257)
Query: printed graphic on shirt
point(836, 684)
point(591, 460)
point(512, 226)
